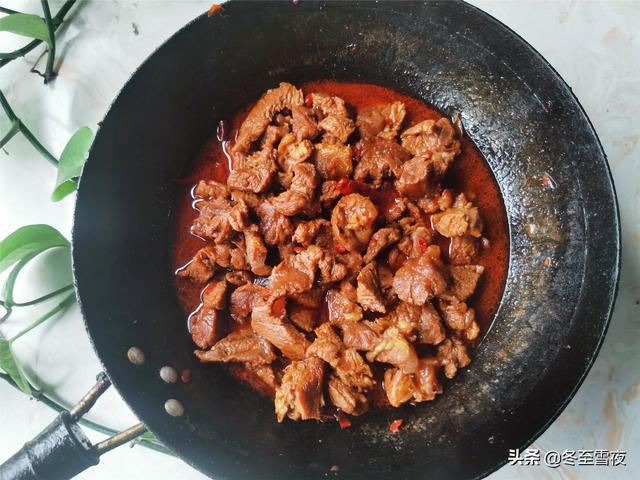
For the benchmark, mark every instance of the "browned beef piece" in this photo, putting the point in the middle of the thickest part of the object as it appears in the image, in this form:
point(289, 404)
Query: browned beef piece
point(380, 240)
point(342, 310)
point(213, 220)
point(269, 320)
point(437, 139)
point(301, 190)
point(413, 181)
point(333, 161)
point(329, 193)
point(416, 240)
point(359, 336)
point(262, 113)
point(459, 220)
point(253, 173)
point(430, 329)
point(238, 278)
point(335, 123)
point(202, 267)
point(459, 317)
point(463, 250)
point(346, 398)
point(381, 120)
point(453, 354)
point(299, 396)
point(436, 200)
point(244, 299)
point(331, 270)
point(256, 252)
point(426, 380)
point(215, 295)
point(291, 152)
point(352, 221)
point(239, 216)
point(273, 134)
point(399, 386)
point(239, 346)
point(311, 298)
point(206, 327)
point(421, 279)
point(464, 280)
point(209, 189)
point(253, 200)
point(394, 348)
point(306, 232)
point(296, 274)
point(378, 158)
point(368, 291)
point(304, 123)
point(353, 262)
point(302, 317)
point(327, 345)
point(275, 227)
point(353, 370)
point(385, 275)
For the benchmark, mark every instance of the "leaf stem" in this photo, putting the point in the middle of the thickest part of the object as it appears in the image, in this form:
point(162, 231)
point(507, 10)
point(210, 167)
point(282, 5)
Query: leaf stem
point(15, 128)
point(61, 306)
point(7, 10)
point(49, 74)
point(44, 297)
point(57, 21)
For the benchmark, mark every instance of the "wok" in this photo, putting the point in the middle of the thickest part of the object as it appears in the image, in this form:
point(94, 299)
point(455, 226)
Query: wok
point(541, 147)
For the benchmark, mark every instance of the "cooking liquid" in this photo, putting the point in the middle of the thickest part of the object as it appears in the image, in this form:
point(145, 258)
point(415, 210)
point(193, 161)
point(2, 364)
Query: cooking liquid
point(469, 173)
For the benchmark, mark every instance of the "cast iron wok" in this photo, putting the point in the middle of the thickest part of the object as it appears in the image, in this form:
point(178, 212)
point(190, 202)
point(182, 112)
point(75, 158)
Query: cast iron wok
point(517, 110)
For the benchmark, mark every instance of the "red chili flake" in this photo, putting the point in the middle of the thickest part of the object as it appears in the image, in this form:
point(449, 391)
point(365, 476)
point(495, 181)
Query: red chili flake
point(185, 376)
point(343, 421)
point(215, 8)
point(423, 245)
point(339, 248)
point(278, 306)
point(395, 425)
point(308, 100)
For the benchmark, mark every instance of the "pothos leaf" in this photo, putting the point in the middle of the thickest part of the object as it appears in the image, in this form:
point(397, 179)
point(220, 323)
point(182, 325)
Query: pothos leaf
point(27, 241)
point(71, 162)
point(8, 364)
point(27, 25)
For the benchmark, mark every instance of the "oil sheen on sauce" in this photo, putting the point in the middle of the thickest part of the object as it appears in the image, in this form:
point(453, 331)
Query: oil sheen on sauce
point(469, 173)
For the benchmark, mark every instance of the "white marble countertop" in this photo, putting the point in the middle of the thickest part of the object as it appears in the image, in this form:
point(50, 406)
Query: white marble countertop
point(595, 46)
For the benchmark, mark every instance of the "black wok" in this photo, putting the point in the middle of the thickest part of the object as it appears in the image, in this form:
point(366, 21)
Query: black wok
point(517, 110)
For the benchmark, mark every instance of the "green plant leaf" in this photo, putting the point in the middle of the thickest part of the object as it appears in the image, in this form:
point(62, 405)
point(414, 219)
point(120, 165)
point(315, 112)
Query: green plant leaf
point(71, 162)
point(27, 25)
point(8, 364)
point(28, 240)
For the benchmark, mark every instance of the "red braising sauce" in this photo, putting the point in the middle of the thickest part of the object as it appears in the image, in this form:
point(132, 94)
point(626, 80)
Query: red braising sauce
point(469, 173)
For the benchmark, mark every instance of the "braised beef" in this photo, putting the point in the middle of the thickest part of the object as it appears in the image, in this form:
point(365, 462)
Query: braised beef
point(352, 221)
point(299, 396)
point(239, 346)
point(269, 320)
point(421, 279)
point(368, 291)
point(378, 158)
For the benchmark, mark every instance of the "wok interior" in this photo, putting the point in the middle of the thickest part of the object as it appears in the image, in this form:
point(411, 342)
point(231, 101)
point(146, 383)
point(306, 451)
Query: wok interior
point(545, 332)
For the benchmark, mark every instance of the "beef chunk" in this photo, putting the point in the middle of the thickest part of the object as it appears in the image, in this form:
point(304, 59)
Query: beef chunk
point(206, 327)
point(253, 173)
point(416, 240)
point(453, 354)
point(353, 370)
point(240, 346)
point(299, 396)
point(421, 386)
point(352, 221)
point(436, 200)
point(459, 317)
point(341, 308)
point(262, 113)
point(346, 398)
point(380, 240)
point(291, 152)
point(399, 386)
point(274, 226)
point(301, 190)
point(202, 267)
point(327, 345)
point(359, 336)
point(333, 161)
point(421, 279)
point(413, 181)
point(437, 139)
point(336, 124)
point(238, 278)
point(239, 216)
point(296, 274)
point(272, 135)
point(269, 320)
point(463, 250)
point(394, 348)
point(252, 200)
point(213, 220)
point(244, 299)
point(464, 280)
point(256, 252)
point(369, 294)
point(329, 193)
point(210, 189)
point(385, 275)
point(325, 105)
point(310, 299)
point(304, 123)
point(459, 220)
point(331, 270)
point(306, 232)
point(383, 120)
point(302, 317)
point(430, 329)
point(378, 158)
point(215, 295)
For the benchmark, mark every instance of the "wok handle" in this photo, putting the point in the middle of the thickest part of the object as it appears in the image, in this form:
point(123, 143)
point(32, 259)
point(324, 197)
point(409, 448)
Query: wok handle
point(62, 450)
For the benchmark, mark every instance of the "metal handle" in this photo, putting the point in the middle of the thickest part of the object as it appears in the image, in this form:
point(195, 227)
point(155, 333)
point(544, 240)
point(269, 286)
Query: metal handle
point(62, 450)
